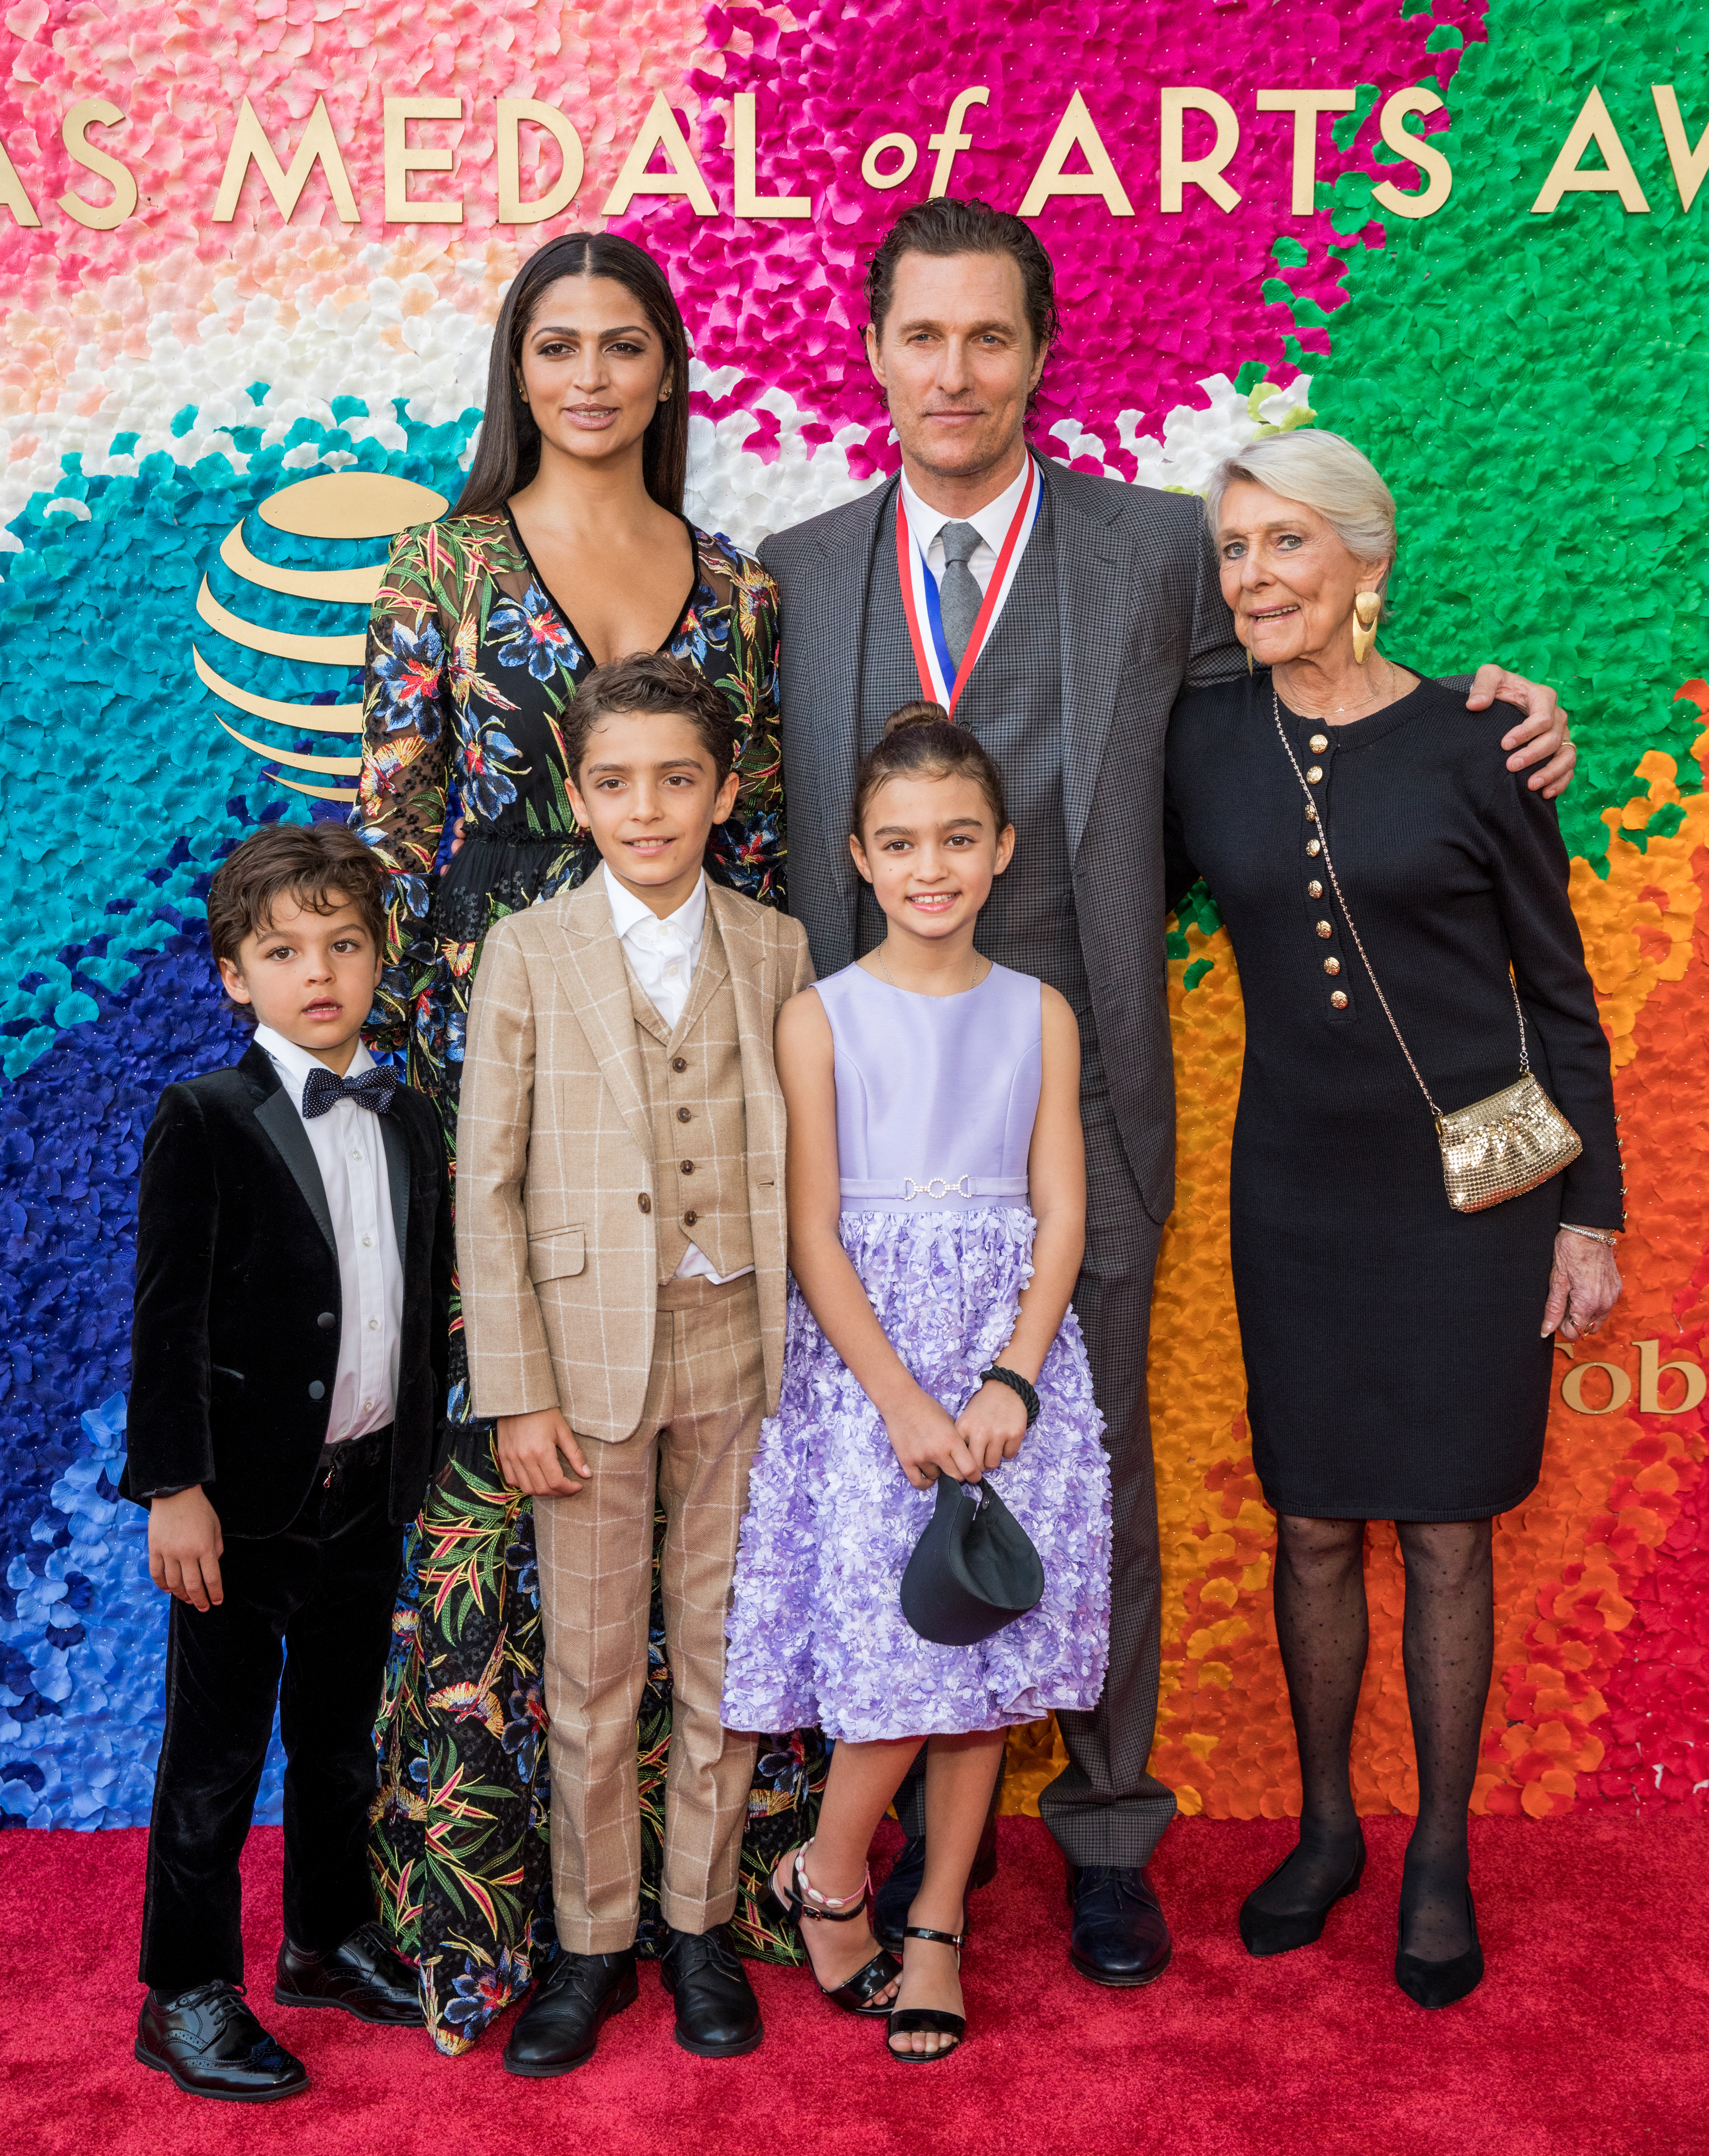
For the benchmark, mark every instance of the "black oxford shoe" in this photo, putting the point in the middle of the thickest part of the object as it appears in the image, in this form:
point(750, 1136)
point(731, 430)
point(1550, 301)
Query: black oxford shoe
point(1120, 1935)
point(559, 2027)
point(717, 2015)
point(893, 1900)
point(363, 1976)
point(210, 2043)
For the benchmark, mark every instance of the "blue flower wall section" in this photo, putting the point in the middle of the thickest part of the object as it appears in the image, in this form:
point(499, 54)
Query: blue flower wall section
point(121, 794)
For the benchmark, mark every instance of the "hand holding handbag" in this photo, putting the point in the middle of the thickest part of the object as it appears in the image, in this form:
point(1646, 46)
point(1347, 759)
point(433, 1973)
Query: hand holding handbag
point(973, 1571)
point(1498, 1147)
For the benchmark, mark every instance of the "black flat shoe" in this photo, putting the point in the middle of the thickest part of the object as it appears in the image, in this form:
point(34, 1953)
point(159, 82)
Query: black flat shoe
point(857, 1994)
point(1120, 1935)
point(363, 1976)
point(559, 2027)
point(933, 2020)
point(1262, 1932)
point(1434, 1983)
point(717, 2015)
point(210, 2043)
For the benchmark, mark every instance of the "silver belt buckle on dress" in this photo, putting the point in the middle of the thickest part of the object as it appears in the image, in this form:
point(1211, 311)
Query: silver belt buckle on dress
point(936, 1186)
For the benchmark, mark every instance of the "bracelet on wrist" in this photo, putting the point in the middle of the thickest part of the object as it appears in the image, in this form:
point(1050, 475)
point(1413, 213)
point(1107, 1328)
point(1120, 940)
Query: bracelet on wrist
point(1605, 1236)
point(1018, 1385)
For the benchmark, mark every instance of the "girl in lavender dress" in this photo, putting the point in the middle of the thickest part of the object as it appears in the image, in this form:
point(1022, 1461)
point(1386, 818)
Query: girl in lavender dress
point(923, 1069)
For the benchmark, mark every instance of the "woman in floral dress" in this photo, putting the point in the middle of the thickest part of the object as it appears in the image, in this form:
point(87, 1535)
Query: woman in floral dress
point(473, 656)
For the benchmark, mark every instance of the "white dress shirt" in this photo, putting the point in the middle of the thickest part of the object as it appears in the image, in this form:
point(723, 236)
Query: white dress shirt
point(992, 523)
point(351, 1154)
point(662, 956)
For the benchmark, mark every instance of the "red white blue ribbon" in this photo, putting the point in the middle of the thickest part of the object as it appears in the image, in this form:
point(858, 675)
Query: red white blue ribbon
point(941, 681)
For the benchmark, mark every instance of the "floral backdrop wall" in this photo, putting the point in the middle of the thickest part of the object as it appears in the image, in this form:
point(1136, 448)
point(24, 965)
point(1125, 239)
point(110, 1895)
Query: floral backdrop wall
point(1530, 376)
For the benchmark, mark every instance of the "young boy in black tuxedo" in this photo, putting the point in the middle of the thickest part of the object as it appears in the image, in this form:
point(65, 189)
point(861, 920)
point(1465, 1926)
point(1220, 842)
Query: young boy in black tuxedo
point(293, 1278)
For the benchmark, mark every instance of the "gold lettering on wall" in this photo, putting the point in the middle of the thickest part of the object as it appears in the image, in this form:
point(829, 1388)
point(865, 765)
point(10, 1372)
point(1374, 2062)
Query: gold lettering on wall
point(1075, 131)
point(1689, 166)
point(661, 131)
point(1651, 1370)
point(403, 157)
point(1594, 124)
point(1306, 106)
point(746, 200)
point(1619, 1388)
point(907, 151)
point(1433, 166)
point(953, 140)
point(514, 112)
point(1176, 170)
point(250, 146)
point(96, 112)
point(12, 194)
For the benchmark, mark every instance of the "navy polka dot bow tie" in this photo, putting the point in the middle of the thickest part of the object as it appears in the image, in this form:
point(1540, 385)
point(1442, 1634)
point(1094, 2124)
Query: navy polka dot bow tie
point(323, 1090)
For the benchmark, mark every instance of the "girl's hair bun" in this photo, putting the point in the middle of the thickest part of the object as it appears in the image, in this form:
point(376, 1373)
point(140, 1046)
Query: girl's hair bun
point(922, 741)
point(917, 714)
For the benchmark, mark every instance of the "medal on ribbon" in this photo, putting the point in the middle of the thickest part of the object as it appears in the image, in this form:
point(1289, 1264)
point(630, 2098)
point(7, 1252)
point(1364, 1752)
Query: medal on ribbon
point(941, 681)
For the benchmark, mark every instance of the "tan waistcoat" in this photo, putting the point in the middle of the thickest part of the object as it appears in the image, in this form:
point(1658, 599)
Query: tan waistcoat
point(696, 1101)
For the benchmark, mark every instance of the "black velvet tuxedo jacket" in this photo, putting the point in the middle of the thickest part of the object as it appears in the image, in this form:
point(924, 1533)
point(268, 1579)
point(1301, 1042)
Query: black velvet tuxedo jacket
point(234, 1345)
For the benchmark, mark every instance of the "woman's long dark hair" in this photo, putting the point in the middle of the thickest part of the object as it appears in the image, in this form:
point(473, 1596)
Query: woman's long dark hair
point(508, 453)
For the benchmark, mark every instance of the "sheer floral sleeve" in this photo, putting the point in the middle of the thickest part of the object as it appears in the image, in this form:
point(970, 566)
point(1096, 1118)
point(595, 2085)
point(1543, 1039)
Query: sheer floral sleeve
point(408, 741)
point(749, 849)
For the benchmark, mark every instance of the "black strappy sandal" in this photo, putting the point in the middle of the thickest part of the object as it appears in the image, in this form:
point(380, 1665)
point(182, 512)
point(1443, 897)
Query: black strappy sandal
point(933, 2020)
point(857, 1994)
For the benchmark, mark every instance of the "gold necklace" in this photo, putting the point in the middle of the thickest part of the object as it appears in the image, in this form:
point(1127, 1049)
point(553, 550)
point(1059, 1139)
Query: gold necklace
point(878, 954)
point(1385, 695)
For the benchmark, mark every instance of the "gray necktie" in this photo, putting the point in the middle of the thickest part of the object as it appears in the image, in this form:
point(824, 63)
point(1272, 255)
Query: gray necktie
point(959, 596)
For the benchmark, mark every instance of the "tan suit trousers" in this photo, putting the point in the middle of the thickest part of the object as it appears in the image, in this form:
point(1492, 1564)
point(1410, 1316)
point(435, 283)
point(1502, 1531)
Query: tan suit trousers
point(705, 1401)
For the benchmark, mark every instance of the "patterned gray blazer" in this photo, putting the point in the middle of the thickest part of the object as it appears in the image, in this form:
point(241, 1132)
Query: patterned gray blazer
point(1142, 619)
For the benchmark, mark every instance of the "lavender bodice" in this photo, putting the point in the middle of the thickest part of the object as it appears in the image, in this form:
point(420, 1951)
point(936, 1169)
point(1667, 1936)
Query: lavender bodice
point(935, 1095)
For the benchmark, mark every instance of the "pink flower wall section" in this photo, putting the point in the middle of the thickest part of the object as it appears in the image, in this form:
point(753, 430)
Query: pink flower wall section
point(1154, 302)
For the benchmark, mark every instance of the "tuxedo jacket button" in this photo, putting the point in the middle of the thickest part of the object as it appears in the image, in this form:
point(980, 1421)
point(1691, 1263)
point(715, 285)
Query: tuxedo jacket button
point(325, 1320)
point(317, 1391)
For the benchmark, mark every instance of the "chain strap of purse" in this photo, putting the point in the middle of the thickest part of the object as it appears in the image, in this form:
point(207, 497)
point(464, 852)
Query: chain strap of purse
point(1346, 915)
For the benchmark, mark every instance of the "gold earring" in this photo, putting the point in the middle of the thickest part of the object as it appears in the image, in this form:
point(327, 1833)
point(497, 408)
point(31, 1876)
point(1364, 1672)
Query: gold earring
point(665, 396)
point(1366, 606)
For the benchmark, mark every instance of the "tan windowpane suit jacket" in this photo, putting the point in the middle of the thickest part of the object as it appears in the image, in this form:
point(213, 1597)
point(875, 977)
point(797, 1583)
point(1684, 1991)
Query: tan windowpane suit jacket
point(557, 1209)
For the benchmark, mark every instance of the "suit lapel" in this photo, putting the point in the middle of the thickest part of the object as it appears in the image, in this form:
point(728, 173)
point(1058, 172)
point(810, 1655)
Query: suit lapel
point(397, 1140)
point(745, 955)
point(590, 964)
point(277, 1115)
point(837, 633)
point(1096, 595)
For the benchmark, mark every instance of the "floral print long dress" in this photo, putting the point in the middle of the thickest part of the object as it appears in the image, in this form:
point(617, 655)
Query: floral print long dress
point(471, 665)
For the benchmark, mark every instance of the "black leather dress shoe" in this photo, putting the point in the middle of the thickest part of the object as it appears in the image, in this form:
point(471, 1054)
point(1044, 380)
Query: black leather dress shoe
point(363, 1976)
point(1120, 1935)
point(560, 2025)
point(717, 2015)
point(210, 2043)
point(892, 1901)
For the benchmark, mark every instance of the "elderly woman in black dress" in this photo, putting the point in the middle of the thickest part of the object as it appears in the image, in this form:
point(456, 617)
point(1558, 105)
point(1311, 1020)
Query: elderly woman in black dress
point(1398, 1350)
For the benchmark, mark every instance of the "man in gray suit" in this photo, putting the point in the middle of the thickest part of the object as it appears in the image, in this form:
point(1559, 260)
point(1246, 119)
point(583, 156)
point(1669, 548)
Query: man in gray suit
point(1107, 609)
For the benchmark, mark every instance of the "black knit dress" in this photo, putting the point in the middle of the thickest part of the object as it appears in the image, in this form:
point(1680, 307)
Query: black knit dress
point(1395, 1368)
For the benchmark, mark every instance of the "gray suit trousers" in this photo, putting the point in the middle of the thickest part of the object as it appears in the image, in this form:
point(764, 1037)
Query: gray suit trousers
point(1104, 1807)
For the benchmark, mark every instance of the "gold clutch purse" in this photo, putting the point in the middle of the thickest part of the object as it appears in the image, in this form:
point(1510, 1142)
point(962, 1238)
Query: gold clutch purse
point(1499, 1146)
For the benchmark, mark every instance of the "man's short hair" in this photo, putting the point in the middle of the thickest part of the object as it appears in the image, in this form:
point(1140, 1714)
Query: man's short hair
point(650, 683)
point(318, 864)
point(948, 226)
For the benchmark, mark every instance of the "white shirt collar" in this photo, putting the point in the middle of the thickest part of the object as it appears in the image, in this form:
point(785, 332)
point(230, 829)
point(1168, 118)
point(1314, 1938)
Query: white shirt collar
point(628, 912)
point(992, 522)
point(296, 1063)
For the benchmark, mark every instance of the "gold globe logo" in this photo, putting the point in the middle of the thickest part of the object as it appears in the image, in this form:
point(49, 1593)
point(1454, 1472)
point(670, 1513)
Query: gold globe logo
point(356, 504)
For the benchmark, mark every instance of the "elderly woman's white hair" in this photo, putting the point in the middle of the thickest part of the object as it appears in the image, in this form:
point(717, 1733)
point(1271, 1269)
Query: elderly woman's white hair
point(1325, 472)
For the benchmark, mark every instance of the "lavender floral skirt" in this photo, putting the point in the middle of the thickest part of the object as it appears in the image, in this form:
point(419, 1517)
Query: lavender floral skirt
point(816, 1634)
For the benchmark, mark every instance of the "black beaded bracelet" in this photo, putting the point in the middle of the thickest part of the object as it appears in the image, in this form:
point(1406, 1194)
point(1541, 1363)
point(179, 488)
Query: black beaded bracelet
point(1018, 1385)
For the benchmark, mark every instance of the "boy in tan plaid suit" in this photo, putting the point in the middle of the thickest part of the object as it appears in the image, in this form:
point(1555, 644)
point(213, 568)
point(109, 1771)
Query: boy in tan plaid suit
point(621, 1242)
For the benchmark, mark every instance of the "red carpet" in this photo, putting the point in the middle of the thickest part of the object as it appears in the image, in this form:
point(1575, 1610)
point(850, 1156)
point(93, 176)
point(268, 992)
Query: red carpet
point(1590, 2037)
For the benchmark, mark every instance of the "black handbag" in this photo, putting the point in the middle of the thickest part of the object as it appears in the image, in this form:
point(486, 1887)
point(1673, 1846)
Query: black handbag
point(973, 1571)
